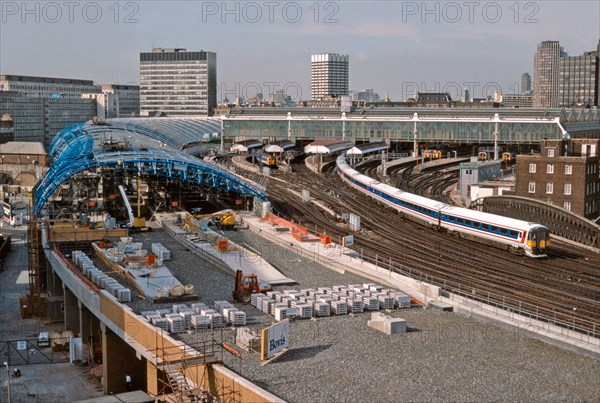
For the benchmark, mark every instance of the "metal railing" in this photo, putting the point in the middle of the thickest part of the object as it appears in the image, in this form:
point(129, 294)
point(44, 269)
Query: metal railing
point(502, 305)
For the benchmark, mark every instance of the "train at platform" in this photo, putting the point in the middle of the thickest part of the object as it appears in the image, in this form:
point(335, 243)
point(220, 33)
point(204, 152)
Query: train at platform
point(517, 236)
point(268, 160)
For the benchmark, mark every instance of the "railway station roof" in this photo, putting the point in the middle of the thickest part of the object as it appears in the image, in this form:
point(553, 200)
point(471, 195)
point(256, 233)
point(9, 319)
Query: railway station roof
point(367, 148)
point(245, 145)
point(280, 146)
point(327, 146)
point(409, 124)
point(151, 146)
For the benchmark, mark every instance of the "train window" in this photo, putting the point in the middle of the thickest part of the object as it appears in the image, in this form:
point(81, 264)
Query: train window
point(512, 233)
point(460, 221)
point(468, 223)
point(493, 228)
point(485, 227)
point(503, 231)
point(476, 224)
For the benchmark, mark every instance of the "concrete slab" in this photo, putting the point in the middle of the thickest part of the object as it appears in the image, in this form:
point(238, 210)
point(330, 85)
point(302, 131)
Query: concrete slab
point(441, 306)
point(147, 280)
point(237, 257)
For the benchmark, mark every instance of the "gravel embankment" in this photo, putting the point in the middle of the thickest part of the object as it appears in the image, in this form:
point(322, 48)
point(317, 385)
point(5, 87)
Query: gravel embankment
point(443, 357)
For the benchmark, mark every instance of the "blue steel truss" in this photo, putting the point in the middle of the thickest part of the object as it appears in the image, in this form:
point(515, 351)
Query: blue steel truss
point(81, 147)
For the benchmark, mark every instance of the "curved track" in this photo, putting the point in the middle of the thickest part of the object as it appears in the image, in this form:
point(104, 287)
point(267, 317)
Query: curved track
point(565, 287)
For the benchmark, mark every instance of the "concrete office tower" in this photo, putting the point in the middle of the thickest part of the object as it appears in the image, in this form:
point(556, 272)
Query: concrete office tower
point(525, 84)
point(175, 82)
point(578, 80)
point(328, 75)
point(546, 77)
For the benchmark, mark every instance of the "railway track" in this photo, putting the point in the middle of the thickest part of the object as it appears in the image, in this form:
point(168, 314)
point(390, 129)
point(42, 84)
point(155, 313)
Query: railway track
point(566, 286)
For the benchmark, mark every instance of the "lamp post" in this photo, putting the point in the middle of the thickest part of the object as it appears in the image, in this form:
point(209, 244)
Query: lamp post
point(8, 379)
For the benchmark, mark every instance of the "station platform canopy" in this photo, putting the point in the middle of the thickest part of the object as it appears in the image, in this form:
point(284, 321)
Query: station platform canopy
point(245, 145)
point(367, 148)
point(280, 146)
point(327, 146)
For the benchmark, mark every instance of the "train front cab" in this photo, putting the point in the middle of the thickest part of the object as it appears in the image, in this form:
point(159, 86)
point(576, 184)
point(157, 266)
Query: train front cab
point(538, 241)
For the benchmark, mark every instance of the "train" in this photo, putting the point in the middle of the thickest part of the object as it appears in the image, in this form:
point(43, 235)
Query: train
point(517, 236)
point(268, 160)
point(432, 154)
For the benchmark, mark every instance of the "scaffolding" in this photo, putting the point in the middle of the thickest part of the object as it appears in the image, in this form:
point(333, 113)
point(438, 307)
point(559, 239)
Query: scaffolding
point(34, 302)
point(185, 369)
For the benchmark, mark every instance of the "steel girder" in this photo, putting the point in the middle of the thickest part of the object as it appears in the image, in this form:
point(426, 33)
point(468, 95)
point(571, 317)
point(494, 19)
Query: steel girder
point(76, 149)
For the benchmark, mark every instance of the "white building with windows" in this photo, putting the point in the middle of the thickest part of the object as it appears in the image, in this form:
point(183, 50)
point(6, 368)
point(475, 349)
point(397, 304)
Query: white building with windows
point(329, 74)
point(175, 82)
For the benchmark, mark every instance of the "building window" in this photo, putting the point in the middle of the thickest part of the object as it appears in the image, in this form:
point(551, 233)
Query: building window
point(549, 188)
point(567, 188)
point(568, 169)
point(531, 168)
point(551, 152)
point(567, 206)
point(550, 168)
point(531, 187)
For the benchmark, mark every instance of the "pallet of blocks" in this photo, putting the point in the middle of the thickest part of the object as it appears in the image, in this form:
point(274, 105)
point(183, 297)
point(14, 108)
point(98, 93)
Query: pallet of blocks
point(237, 318)
point(305, 310)
point(161, 323)
point(322, 309)
point(219, 305)
point(355, 305)
point(266, 304)
point(180, 307)
point(198, 306)
point(370, 303)
point(339, 307)
point(216, 319)
point(200, 321)
point(176, 323)
point(160, 251)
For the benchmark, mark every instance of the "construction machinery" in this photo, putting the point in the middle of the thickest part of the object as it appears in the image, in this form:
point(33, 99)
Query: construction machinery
point(222, 219)
point(245, 286)
point(135, 223)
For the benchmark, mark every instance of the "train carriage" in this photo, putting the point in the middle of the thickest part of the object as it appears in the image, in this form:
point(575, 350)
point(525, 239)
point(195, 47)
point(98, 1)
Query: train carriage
point(507, 233)
point(268, 160)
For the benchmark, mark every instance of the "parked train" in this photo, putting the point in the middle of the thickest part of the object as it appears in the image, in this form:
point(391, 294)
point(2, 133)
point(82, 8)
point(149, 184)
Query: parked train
point(514, 235)
point(432, 154)
point(268, 160)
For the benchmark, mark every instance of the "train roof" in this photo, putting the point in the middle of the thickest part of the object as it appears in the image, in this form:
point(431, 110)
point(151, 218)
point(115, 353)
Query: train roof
point(481, 216)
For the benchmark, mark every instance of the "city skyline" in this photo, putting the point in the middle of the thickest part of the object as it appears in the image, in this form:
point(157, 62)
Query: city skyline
point(393, 47)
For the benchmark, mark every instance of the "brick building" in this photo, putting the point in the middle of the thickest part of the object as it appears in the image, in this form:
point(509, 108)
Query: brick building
point(564, 173)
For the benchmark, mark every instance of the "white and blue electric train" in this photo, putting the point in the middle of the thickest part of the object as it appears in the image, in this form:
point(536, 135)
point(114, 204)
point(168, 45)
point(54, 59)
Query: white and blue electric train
point(514, 235)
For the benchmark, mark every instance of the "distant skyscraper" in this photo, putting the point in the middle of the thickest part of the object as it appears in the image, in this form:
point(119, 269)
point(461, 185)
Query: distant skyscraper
point(329, 75)
point(368, 95)
point(525, 84)
point(546, 65)
point(175, 82)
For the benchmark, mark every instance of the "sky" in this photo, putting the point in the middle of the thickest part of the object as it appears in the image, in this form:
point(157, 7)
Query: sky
point(394, 46)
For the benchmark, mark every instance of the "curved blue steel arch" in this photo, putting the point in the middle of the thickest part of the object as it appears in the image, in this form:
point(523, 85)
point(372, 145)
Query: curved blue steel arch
point(75, 152)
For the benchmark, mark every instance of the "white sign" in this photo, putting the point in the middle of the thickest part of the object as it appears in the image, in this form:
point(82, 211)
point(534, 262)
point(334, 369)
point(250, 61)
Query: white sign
point(275, 339)
point(21, 345)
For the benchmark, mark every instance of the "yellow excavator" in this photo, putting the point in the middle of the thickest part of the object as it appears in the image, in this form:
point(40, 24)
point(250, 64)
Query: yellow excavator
point(225, 220)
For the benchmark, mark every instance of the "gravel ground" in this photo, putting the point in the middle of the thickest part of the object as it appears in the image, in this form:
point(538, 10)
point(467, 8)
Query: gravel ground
point(443, 357)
